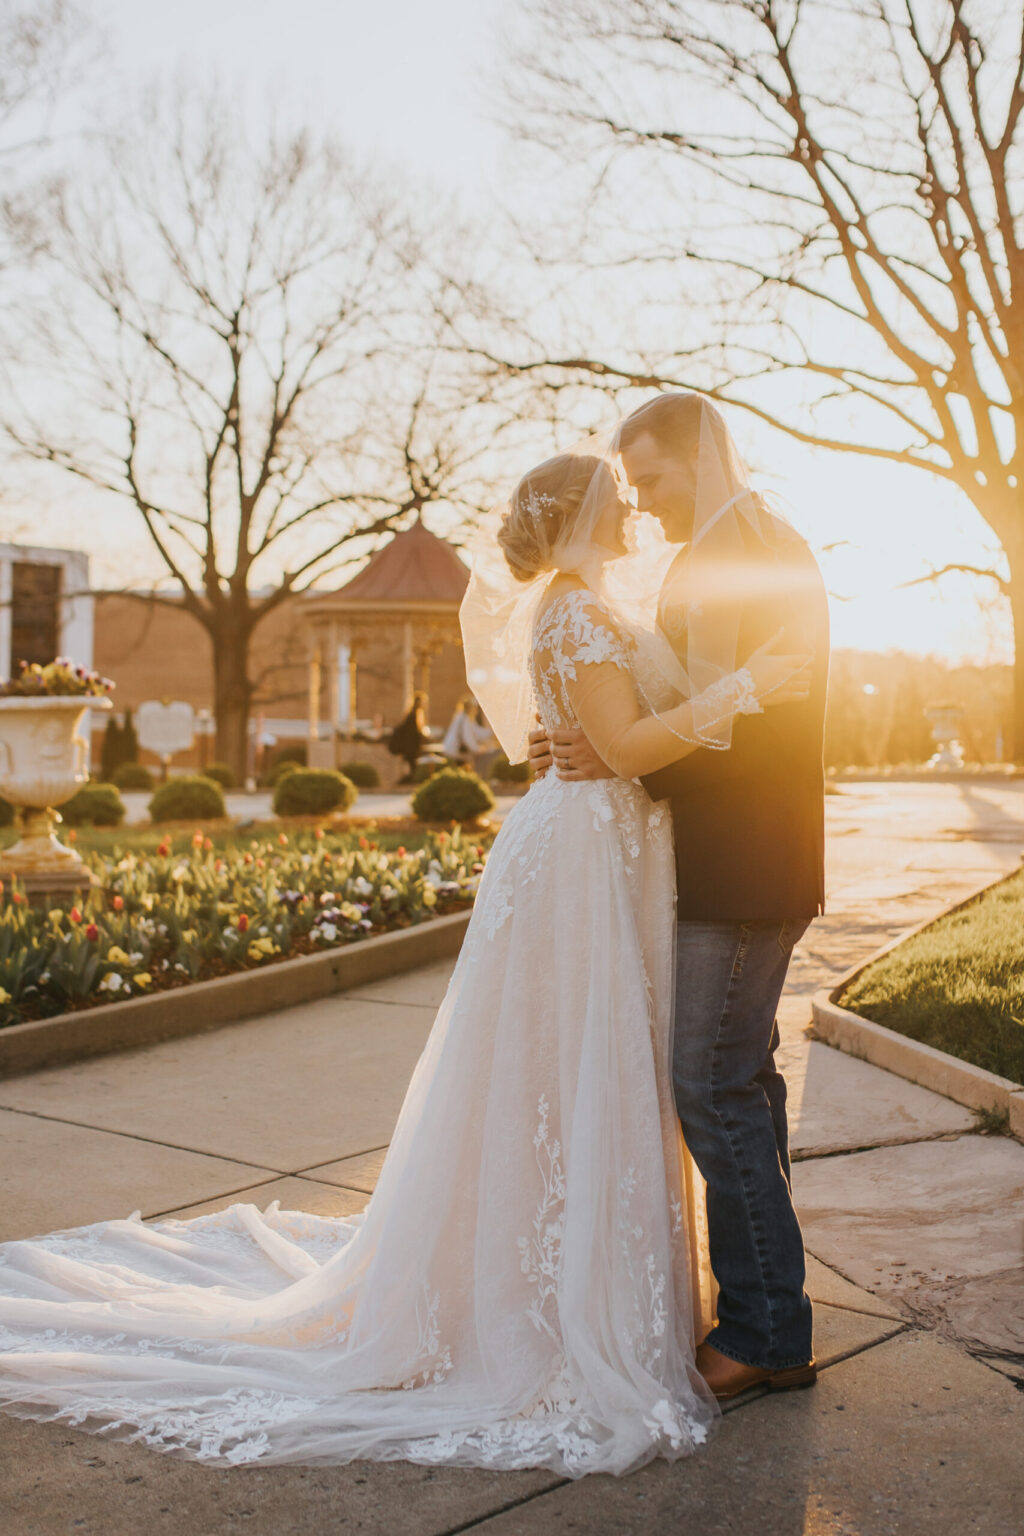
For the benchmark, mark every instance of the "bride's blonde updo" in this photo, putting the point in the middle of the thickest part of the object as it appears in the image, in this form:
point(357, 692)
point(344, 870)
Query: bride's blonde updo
point(543, 508)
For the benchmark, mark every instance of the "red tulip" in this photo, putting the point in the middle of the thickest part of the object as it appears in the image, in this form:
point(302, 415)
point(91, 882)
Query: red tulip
point(243, 922)
point(118, 903)
point(75, 915)
point(92, 933)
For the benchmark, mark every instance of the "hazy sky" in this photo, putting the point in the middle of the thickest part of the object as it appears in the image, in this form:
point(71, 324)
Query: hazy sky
point(414, 81)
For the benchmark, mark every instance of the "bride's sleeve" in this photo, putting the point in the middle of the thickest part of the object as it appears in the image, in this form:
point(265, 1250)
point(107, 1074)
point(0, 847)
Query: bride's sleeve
point(603, 697)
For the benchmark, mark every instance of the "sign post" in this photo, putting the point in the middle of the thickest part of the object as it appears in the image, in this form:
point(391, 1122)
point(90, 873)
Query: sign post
point(165, 727)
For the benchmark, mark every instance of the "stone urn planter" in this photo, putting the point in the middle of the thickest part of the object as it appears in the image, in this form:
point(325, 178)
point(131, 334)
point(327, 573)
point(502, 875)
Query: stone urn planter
point(43, 761)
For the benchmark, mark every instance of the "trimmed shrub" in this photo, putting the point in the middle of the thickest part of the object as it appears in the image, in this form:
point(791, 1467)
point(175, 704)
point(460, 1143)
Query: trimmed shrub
point(313, 792)
point(453, 794)
point(98, 805)
point(191, 798)
point(362, 775)
point(222, 774)
point(6, 813)
point(281, 771)
point(504, 772)
point(427, 768)
point(133, 776)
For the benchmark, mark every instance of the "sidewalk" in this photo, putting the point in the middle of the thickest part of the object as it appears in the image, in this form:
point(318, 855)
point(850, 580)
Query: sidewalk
point(372, 805)
point(912, 1218)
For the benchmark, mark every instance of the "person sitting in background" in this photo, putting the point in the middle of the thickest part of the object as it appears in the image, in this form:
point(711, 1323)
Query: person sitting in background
point(485, 745)
point(460, 737)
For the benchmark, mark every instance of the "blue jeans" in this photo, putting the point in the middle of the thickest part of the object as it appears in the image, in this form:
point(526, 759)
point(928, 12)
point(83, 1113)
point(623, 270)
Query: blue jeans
point(732, 1104)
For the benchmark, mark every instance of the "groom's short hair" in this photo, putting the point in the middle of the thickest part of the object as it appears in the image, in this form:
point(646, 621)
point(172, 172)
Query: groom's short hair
point(673, 420)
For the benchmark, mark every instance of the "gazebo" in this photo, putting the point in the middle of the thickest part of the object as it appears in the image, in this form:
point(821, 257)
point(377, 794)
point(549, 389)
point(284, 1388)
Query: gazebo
point(402, 609)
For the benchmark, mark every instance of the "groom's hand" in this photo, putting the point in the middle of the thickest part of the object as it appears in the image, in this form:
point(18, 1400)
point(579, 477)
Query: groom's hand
point(575, 759)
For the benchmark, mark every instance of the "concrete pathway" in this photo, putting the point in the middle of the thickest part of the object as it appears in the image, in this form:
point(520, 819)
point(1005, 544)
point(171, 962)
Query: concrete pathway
point(912, 1220)
point(242, 807)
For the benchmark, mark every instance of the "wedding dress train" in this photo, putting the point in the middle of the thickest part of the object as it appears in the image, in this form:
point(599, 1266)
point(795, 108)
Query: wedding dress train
point(525, 1287)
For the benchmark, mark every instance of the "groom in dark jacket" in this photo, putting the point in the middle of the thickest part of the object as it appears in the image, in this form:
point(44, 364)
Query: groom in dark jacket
point(749, 836)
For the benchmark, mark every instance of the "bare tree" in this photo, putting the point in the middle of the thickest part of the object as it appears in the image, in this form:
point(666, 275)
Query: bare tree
point(232, 347)
point(44, 45)
point(827, 198)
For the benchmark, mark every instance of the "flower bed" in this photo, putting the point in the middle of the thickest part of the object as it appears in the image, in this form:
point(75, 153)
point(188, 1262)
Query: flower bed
point(194, 911)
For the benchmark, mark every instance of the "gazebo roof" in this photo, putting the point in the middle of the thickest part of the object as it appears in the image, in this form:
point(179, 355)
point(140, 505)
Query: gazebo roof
point(413, 567)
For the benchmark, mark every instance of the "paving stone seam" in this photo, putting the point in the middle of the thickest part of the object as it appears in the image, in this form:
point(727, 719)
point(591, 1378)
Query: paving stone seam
point(297, 1173)
point(810, 1156)
point(152, 1141)
point(495, 1514)
point(221, 1195)
point(389, 1002)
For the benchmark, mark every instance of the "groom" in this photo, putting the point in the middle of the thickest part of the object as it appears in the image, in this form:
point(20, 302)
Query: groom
point(749, 835)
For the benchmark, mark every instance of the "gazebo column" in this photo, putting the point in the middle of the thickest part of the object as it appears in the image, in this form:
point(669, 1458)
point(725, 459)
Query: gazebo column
point(408, 664)
point(333, 692)
point(313, 704)
point(352, 669)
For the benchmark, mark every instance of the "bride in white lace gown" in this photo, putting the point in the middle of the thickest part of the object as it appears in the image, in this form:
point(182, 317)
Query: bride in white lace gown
point(526, 1285)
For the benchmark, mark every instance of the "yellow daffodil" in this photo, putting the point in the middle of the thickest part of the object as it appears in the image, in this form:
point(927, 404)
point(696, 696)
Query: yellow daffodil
point(143, 979)
point(117, 956)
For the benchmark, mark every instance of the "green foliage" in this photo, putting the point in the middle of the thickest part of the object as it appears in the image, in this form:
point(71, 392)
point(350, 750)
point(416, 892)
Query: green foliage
point(958, 985)
point(111, 755)
point(6, 813)
point(222, 774)
point(97, 804)
point(195, 911)
point(281, 771)
point(510, 773)
point(191, 798)
point(313, 792)
point(362, 775)
point(132, 776)
point(426, 769)
point(120, 749)
point(453, 794)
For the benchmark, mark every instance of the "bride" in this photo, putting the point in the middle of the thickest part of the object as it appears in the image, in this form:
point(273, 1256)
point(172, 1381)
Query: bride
point(529, 1280)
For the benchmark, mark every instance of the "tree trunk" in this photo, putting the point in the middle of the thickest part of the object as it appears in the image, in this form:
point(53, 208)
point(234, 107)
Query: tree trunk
point(1016, 744)
point(232, 700)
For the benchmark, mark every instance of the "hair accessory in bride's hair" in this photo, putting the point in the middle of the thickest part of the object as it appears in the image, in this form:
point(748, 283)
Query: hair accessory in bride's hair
point(537, 505)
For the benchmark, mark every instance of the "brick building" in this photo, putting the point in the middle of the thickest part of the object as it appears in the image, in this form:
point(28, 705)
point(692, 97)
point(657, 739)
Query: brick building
point(327, 664)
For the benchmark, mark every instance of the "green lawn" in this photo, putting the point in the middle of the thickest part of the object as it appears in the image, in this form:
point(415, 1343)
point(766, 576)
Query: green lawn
point(958, 985)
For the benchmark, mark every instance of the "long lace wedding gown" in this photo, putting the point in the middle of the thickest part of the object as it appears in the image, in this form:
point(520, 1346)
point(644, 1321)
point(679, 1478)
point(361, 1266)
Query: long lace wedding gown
point(525, 1286)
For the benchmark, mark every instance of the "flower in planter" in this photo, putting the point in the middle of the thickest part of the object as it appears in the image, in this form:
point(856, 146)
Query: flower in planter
point(92, 933)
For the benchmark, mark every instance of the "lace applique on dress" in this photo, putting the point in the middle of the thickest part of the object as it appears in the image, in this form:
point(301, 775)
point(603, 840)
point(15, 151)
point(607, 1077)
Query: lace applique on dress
point(569, 635)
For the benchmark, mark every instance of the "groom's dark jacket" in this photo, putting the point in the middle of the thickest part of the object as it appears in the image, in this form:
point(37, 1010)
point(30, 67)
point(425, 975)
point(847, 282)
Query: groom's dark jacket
point(749, 822)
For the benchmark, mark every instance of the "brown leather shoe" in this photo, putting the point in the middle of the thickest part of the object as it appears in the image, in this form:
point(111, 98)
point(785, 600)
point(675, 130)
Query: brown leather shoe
point(728, 1378)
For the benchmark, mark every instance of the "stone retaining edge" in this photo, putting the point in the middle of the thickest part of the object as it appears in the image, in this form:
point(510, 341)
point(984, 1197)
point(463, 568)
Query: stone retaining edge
point(207, 1005)
point(958, 1080)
